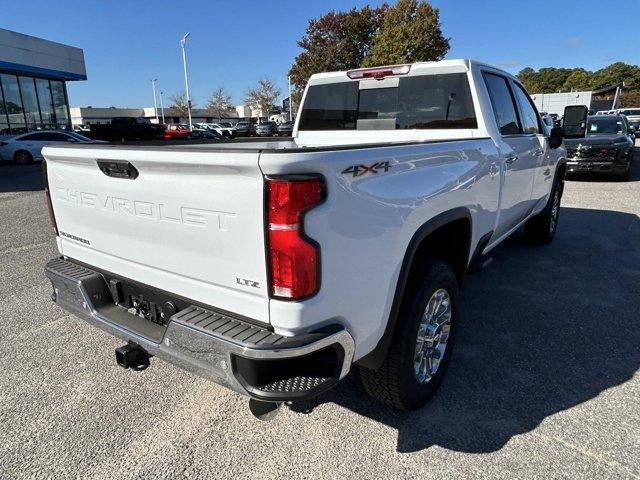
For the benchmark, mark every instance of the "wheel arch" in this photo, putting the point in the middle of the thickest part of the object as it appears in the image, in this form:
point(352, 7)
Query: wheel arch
point(14, 157)
point(449, 236)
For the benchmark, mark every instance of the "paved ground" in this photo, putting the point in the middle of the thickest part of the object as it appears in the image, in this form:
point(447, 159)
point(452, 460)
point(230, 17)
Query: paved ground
point(543, 383)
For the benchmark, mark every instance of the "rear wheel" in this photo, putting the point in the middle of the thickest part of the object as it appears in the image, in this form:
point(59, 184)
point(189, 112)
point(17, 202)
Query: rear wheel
point(22, 157)
point(541, 229)
point(422, 343)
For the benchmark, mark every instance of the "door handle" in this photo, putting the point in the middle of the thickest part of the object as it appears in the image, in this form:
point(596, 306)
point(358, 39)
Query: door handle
point(538, 153)
point(511, 159)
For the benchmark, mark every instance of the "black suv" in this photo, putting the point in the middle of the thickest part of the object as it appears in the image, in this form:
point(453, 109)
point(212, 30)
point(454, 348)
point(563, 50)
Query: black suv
point(607, 147)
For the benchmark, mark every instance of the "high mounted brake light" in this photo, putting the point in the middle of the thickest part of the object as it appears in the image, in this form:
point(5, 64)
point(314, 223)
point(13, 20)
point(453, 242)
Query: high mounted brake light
point(293, 259)
point(47, 194)
point(379, 72)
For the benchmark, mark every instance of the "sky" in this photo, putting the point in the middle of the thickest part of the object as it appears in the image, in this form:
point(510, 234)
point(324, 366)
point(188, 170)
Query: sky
point(233, 43)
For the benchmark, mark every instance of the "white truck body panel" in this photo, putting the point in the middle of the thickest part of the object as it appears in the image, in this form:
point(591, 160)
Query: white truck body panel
point(363, 228)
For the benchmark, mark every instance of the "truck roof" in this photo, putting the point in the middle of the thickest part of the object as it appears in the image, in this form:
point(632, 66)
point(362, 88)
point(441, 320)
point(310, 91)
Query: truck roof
point(442, 66)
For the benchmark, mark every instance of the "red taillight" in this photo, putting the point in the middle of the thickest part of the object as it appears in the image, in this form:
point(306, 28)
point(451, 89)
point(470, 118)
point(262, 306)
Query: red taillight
point(47, 194)
point(293, 258)
point(379, 72)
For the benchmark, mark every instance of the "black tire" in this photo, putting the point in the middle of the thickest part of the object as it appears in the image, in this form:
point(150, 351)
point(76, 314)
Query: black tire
point(541, 229)
point(395, 382)
point(22, 157)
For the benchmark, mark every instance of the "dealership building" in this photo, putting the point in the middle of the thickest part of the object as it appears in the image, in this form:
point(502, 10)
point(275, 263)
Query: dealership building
point(33, 76)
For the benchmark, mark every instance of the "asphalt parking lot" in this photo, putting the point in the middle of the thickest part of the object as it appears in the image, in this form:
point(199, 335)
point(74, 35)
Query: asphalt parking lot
point(544, 381)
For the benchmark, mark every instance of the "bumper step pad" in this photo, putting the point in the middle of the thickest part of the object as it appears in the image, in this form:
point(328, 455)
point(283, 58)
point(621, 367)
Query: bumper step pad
point(231, 329)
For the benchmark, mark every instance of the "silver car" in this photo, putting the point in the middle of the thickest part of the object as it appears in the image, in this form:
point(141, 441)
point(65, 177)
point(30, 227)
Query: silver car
point(265, 129)
point(25, 148)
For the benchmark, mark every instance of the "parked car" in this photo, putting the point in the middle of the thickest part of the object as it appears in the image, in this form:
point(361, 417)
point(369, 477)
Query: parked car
point(224, 129)
point(176, 131)
point(633, 115)
point(547, 119)
point(607, 147)
point(273, 270)
point(81, 129)
point(245, 129)
point(285, 129)
point(127, 128)
point(27, 147)
point(265, 129)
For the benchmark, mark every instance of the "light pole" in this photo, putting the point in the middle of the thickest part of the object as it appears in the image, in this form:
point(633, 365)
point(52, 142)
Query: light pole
point(155, 103)
point(183, 42)
point(290, 101)
point(162, 105)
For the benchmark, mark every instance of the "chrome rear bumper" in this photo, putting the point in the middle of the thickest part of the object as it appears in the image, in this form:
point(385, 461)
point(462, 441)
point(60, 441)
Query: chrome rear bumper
point(244, 357)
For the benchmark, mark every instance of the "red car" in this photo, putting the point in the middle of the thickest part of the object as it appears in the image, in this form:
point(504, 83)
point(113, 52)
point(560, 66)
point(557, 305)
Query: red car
point(176, 131)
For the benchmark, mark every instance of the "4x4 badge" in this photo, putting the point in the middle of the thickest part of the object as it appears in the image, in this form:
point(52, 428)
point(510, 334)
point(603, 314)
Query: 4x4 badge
point(359, 170)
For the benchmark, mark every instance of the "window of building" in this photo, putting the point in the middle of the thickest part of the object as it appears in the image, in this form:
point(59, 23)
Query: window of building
point(4, 120)
point(59, 103)
point(47, 112)
point(13, 103)
point(30, 103)
point(504, 108)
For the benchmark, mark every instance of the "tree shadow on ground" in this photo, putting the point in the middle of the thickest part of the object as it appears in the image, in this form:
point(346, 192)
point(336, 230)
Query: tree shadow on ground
point(542, 329)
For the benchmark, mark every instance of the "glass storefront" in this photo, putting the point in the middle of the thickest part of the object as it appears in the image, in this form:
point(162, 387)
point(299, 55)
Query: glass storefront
point(32, 103)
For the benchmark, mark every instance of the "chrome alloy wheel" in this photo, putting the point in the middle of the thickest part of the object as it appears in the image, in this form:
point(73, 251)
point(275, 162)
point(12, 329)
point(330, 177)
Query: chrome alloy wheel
point(555, 210)
point(433, 334)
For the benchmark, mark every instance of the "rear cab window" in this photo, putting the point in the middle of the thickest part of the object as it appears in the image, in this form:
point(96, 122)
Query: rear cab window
point(430, 101)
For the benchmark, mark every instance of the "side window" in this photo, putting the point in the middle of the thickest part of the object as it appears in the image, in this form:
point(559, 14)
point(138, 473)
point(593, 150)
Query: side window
point(57, 137)
point(34, 137)
point(528, 113)
point(503, 107)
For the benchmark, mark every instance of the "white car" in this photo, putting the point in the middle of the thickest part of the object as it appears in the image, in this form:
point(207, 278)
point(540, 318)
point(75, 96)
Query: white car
point(271, 267)
point(224, 129)
point(27, 147)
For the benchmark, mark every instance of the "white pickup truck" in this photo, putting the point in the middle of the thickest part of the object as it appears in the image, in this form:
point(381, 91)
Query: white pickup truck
point(273, 267)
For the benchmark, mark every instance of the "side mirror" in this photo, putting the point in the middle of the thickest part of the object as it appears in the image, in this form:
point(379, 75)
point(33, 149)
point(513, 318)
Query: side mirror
point(555, 137)
point(574, 122)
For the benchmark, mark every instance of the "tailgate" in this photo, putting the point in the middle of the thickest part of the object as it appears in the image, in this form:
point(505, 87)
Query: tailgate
point(191, 222)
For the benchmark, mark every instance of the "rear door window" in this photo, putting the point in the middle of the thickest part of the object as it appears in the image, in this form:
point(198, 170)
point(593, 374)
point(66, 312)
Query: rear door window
point(528, 113)
point(503, 104)
point(420, 102)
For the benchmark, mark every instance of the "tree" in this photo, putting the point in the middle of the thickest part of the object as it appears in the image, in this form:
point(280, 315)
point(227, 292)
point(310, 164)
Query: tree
point(616, 73)
point(579, 80)
point(264, 96)
point(529, 79)
point(630, 99)
point(410, 32)
point(551, 79)
point(336, 41)
point(179, 105)
point(219, 103)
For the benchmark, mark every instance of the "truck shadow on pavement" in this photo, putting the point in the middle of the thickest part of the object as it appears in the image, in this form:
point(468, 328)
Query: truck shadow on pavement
point(20, 178)
point(542, 329)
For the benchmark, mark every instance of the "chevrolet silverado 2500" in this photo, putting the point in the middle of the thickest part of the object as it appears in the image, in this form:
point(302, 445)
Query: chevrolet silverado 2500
point(273, 267)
